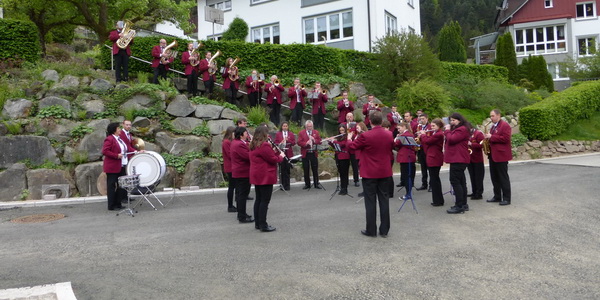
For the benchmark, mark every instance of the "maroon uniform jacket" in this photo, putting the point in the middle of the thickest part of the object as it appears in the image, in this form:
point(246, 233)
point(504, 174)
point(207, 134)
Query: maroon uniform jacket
point(413, 124)
point(274, 93)
point(240, 159)
point(344, 110)
point(406, 154)
point(110, 150)
point(434, 154)
point(377, 144)
point(250, 87)
point(203, 68)
point(294, 97)
point(303, 141)
point(156, 52)
point(457, 145)
point(319, 103)
point(419, 128)
point(226, 152)
point(476, 147)
point(291, 141)
point(345, 154)
point(185, 60)
point(227, 81)
point(500, 142)
point(113, 36)
point(393, 124)
point(367, 111)
point(263, 165)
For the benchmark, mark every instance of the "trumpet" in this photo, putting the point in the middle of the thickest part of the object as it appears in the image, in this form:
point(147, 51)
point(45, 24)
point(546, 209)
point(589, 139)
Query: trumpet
point(346, 103)
point(276, 82)
point(302, 86)
point(324, 92)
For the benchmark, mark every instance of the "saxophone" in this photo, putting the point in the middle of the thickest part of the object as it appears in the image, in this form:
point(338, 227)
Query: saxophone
point(485, 143)
point(128, 35)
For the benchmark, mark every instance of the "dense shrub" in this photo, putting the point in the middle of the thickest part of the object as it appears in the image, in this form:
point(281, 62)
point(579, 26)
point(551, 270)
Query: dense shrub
point(450, 71)
point(553, 115)
point(424, 94)
point(19, 39)
point(237, 31)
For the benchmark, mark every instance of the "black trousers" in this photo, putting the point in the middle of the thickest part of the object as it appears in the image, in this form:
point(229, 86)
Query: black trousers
point(114, 193)
point(275, 114)
point(253, 99)
point(343, 166)
point(476, 174)
point(121, 65)
point(310, 161)
point(319, 120)
point(423, 163)
point(284, 169)
point(406, 170)
point(354, 162)
point(500, 180)
point(231, 93)
point(230, 189)
point(209, 85)
point(161, 71)
point(192, 83)
point(437, 196)
point(297, 113)
point(242, 190)
point(375, 190)
point(458, 180)
point(261, 204)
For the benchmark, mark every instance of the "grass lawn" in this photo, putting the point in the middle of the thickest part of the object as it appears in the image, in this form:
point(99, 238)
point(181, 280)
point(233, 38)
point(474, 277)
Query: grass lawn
point(583, 130)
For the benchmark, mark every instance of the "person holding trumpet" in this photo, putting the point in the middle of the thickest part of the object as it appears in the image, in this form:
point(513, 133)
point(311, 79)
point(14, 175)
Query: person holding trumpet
point(286, 140)
point(344, 106)
point(368, 108)
point(476, 168)
point(274, 90)
point(424, 126)
point(318, 99)
point(433, 140)
point(308, 139)
point(254, 86)
point(297, 93)
point(456, 153)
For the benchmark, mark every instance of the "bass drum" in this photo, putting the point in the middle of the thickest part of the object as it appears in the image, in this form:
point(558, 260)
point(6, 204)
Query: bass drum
point(150, 165)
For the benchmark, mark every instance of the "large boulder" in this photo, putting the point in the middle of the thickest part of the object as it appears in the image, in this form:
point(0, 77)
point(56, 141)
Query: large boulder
point(217, 127)
point(186, 124)
point(358, 89)
point(86, 176)
point(205, 173)
point(180, 83)
point(334, 91)
point(231, 114)
point(91, 144)
point(53, 100)
point(141, 122)
point(181, 106)
point(16, 108)
point(208, 111)
point(100, 84)
point(14, 182)
point(17, 148)
point(139, 102)
point(50, 75)
point(215, 144)
point(93, 107)
point(180, 145)
point(59, 130)
point(67, 82)
point(37, 178)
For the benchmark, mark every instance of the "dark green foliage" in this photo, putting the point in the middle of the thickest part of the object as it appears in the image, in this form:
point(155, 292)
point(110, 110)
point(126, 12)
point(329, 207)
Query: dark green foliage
point(451, 46)
point(237, 31)
point(61, 34)
point(507, 57)
point(54, 111)
point(585, 67)
point(553, 115)
point(424, 94)
point(19, 39)
point(535, 70)
point(451, 71)
point(358, 62)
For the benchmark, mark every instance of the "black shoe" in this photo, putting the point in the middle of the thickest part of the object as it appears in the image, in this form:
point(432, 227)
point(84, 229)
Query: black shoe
point(476, 197)
point(306, 187)
point(465, 207)
point(423, 187)
point(455, 210)
point(112, 208)
point(399, 185)
point(119, 207)
point(343, 192)
point(287, 188)
point(437, 204)
point(232, 209)
point(505, 203)
point(470, 195)
point(318, 186)
point(364, 232)
point(405, 197)
point(492, 200)
point(383, 235)
point(361, 194)
point(429, 190)
point(247, 220)
point(356, 184)
point(249, 198)
point(269, 228)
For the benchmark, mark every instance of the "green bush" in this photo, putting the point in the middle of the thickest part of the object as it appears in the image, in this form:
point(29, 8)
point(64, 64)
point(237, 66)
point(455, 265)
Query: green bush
point(257, 115)
point(202, 130)
point(518, 139)
point(505, 97)
point(553, 115)
point(54, 111)
point(424, 94)
point(80, 131)
point(451, 70)
point(236, 31)
point(19, 39)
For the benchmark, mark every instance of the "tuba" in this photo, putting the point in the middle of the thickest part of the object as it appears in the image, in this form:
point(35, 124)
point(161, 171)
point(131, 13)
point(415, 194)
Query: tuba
point(212, 65)
point(128, 35)
point(233, 70)
point(170, 53)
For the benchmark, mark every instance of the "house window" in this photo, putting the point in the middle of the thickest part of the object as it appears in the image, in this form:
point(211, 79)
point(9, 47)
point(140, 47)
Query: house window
point(586, 10)
point(587, 46)
point(328, 27)
point(216, 37)
point(540, 40)
point(266, 34)
point(555, 71)
point(391, 23)
point(547, 3)
point(258, 1)
point(224, 5)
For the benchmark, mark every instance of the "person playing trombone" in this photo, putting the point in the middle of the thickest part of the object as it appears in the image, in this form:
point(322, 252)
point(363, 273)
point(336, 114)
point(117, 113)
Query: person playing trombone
point(318, 99)
point(274, 90)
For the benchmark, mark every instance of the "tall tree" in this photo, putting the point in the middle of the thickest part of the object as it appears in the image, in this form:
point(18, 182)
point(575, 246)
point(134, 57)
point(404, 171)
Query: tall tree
point(237, 30)
point(533, 73)
point(451, 45)
point(506, 56)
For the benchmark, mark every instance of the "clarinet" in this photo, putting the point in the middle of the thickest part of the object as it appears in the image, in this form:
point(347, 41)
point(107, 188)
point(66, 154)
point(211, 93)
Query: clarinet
point(275, 147)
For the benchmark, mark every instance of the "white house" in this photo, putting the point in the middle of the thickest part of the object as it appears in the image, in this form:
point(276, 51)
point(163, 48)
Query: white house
point(344, 24)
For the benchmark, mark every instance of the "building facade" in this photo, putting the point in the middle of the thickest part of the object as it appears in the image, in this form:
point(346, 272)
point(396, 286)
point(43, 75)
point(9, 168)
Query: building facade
point(556, 29)
point(344, 24)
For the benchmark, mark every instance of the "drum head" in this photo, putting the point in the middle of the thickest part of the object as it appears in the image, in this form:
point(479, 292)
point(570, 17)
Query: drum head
point(101, 184)
point(149, 165)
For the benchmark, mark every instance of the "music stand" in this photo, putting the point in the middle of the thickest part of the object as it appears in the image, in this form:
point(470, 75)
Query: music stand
point(337, 149)
point(408, 141)
point(174, 196)
point(279, 171)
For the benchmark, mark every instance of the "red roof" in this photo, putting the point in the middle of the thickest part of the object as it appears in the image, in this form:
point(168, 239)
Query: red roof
point(523, 11)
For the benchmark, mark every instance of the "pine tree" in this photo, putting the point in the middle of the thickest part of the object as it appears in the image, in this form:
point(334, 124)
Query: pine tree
point(451, 46)
point(507, 57)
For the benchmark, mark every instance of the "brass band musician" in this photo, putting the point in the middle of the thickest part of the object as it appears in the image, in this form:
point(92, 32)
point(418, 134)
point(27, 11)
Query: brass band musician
point(189, 60)
point(254, 86)
point(274, 99)
point(318, 99)
point(297, 93)
point(120, 56)
point(368, 108)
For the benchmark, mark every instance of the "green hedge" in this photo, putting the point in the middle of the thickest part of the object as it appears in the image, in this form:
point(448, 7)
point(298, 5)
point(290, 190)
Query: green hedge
point(19, 39)
point(452, 70)
point(554, 114)
point(357, 61)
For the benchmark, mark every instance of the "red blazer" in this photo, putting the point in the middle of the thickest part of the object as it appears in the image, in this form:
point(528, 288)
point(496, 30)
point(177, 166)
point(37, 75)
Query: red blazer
point(274, 93)
point(476, 147)
point(413, 125)
point(434, 155)
point(293, 98)
point(156, 52)
point(344, 110)
point(345, 154)
point(406, 154)
point(203, 68)
point(319, 103)
point(457, 145)
point(110, 150)
point(303, 140)
point(113, 36)
point(185, 60)
point(227, 81)
point(250, 87)
point(291, 141)
point(500, 142)
point(393, 123)
point(226, 152)
point(420, 127)
point(263, 165)
point(240, 159)
point(367, 111)
point(378, 143)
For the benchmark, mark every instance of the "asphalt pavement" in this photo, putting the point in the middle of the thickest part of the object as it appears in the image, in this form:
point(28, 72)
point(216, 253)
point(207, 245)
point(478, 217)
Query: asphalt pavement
point(543, 246)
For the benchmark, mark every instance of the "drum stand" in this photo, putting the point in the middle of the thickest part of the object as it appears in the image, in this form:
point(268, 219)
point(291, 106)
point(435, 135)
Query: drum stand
point(128, 210)
point(174, 196)
point(144, 197)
